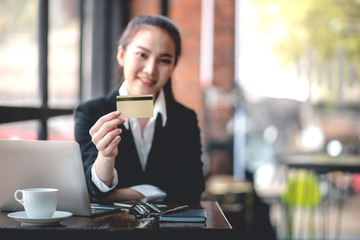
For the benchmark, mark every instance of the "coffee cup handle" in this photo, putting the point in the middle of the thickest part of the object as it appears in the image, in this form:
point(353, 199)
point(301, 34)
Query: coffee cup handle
point(16, 197)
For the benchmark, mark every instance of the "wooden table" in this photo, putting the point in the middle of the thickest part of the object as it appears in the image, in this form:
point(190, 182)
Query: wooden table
point(120, 224)
point(323, 163)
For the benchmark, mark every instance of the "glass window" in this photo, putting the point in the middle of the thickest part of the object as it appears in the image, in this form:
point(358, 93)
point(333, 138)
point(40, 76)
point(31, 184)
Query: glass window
point(19, 67)
point(26, 130)
point(61, 128)
point(18, 52)
point(63, 53)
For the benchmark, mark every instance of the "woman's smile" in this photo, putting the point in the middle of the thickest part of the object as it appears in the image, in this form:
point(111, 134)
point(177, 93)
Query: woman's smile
point(146, 81)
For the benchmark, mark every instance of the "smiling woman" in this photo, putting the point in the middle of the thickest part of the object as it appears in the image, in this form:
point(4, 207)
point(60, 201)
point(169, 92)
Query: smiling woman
point(156, 158)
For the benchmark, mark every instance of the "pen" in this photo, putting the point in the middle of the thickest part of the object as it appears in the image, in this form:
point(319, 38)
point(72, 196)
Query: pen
point(177, 209)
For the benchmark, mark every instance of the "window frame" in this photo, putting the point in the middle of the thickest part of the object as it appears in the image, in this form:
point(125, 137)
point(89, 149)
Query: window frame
point(96, 77)
point(43, 112)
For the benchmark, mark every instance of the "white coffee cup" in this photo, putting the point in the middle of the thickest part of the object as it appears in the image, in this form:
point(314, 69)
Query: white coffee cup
point(38, 202)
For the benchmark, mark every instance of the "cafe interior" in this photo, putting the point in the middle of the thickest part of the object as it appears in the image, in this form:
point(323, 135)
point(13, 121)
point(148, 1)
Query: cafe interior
point(275, 85)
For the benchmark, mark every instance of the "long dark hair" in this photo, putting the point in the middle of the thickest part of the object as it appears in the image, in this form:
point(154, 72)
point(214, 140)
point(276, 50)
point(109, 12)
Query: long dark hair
point(157, 21)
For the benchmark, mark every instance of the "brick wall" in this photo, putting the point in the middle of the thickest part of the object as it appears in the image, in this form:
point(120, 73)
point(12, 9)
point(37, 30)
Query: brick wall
point(186, 81)
point(224, 50)
point(138, 7)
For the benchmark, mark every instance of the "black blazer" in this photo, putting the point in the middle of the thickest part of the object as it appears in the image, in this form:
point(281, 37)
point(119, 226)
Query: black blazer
point(174, 163)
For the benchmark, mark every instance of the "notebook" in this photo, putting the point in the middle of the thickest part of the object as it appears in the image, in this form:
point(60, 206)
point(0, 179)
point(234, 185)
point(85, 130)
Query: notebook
point(50, 164)
point(187, 215)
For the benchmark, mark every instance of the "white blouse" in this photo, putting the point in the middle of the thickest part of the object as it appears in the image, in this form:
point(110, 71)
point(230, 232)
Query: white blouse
point(143, 143)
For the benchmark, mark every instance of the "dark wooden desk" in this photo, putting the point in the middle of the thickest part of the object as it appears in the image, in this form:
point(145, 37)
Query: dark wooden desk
point(119, 224)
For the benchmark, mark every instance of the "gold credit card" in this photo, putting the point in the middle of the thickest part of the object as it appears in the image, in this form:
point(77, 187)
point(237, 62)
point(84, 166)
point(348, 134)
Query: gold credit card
point(135, 106)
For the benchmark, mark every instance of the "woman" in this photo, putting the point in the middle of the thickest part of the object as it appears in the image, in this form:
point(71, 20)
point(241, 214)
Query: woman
point(156, 158)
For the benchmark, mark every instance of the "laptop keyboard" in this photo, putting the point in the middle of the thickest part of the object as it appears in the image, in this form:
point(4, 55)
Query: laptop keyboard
point(96, 208)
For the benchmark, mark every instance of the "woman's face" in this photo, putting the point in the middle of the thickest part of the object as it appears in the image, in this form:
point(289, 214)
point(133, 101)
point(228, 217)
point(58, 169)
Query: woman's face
point(148, 60)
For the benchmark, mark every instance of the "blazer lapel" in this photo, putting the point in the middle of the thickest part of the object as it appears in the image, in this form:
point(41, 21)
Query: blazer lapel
point(130, 144)
point(155, 143)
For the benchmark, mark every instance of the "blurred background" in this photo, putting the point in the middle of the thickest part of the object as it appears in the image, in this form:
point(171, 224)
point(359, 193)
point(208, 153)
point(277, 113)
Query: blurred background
point(267, 78)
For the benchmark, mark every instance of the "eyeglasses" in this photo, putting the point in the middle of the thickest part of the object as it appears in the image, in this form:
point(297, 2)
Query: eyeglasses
point(140, 210)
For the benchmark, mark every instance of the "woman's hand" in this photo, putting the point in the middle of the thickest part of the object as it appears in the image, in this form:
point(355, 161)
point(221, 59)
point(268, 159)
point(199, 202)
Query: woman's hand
point(124, 194)
point(119, 194)
point(106, 136)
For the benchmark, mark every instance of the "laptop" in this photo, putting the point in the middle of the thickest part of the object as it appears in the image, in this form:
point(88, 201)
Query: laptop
point(50, 164)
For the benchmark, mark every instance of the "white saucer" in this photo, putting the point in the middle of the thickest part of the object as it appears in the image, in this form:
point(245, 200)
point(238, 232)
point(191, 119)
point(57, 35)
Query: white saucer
point(25, 220)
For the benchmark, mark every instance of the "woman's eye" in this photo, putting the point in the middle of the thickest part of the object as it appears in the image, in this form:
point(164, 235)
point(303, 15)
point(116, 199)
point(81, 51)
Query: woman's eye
point(166, 61)
point(141, 55)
